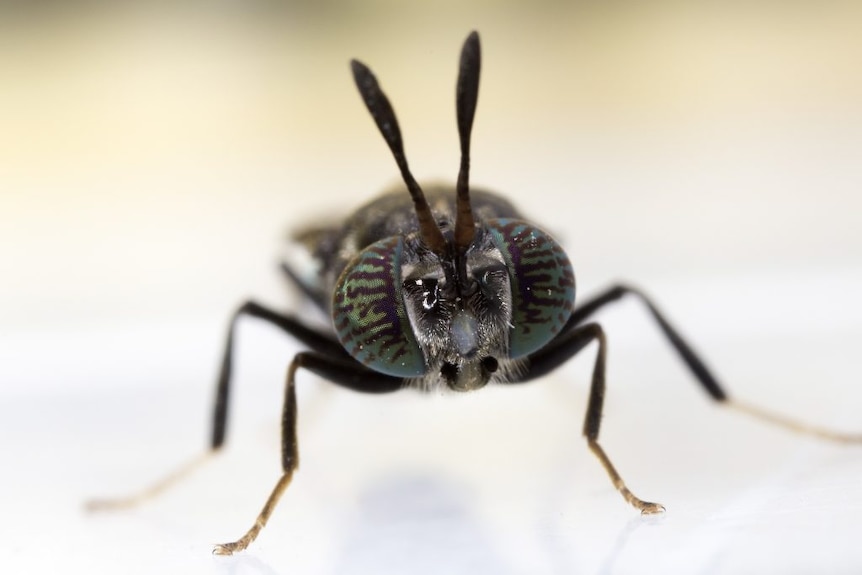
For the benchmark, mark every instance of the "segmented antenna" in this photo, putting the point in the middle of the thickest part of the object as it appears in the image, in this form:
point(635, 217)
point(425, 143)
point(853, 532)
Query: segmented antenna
point(381, 110)
point(466, 95)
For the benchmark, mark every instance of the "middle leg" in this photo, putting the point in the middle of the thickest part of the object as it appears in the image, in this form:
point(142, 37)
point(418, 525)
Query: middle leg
point(698, 368)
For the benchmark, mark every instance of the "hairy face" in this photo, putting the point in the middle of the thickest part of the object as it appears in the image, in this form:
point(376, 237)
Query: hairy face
point(462, 329)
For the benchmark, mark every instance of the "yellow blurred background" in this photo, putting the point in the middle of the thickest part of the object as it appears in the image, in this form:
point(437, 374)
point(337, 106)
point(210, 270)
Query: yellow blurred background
point(153, 157)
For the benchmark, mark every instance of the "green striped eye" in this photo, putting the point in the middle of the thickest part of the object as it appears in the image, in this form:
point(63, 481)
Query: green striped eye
point(369, 314)
point(543, 284)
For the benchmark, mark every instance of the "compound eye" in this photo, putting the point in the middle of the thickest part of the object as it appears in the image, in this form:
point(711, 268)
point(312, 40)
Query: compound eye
point(542, 281)
point(369, 315)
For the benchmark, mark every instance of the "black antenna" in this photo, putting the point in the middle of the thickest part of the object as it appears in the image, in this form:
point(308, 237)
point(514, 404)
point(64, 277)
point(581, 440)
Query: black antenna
point(466, 95)
point(381, 110)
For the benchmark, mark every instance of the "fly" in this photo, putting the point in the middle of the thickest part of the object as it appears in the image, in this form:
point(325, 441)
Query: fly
point(442, 288)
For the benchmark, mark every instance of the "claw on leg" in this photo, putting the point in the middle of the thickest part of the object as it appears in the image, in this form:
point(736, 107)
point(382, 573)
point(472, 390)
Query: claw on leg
point(645, 507)
point(260, 522)
point(241, 543)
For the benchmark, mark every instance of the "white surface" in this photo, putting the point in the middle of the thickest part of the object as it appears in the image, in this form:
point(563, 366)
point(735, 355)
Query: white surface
point(498, 481)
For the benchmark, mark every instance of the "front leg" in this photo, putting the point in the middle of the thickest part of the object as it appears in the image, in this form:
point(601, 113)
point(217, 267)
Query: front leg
point(318, 341)
point(347, 373)
point(563, 348)
point(694, 363)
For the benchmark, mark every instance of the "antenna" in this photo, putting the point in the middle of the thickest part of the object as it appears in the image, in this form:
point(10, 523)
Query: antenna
point(466, 95)
point(381, 110)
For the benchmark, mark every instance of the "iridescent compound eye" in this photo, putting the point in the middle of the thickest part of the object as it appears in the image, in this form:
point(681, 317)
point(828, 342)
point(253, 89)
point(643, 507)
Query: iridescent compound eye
point(543, 284)
point(369, 315)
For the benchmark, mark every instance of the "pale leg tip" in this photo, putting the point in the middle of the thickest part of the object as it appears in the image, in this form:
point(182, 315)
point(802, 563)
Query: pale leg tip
point(225, 549)
point(99, 505)
point(653, 509)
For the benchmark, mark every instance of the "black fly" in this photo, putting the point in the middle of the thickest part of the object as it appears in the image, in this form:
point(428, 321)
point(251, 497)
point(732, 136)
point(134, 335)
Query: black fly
point(441, 288)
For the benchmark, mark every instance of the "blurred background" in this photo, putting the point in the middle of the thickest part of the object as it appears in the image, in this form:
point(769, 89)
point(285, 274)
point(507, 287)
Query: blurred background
point(155, 156)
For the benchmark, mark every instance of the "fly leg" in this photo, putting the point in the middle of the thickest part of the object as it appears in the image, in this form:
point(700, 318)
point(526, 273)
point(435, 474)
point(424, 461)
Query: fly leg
point(698, 368)
point(348, 374)
point(318, 341)
point(560, 350)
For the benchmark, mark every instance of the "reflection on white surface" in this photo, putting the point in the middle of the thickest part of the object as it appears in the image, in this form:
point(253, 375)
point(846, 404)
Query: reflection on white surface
point(396, 520)
point(498, 481)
